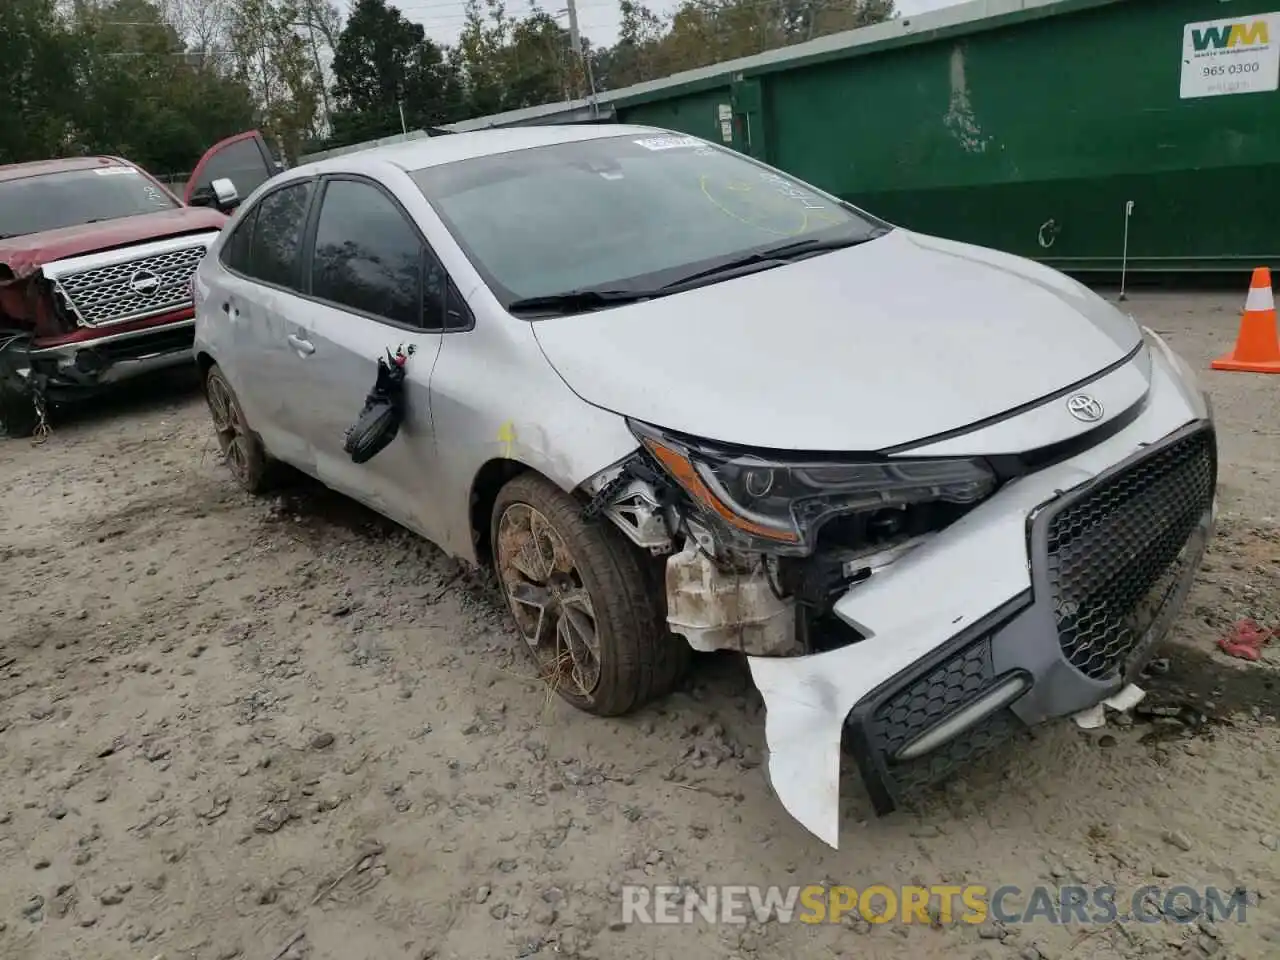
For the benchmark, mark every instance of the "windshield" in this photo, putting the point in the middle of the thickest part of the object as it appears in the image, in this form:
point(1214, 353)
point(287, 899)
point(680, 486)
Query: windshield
point(53, 200)
point(628, 212)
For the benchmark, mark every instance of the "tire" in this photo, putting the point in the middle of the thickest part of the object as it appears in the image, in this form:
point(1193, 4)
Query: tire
point(636, 659)
point(18, 417)
point(242, 451)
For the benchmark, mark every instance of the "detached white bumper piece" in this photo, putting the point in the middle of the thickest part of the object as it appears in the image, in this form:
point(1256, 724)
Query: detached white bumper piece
point(1044, 601)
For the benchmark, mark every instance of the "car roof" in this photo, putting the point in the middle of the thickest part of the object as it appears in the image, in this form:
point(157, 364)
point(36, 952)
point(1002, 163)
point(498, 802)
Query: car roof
point(36, 168)
point(433, 151)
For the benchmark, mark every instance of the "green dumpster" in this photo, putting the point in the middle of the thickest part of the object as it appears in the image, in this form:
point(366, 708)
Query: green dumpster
point(1082, 133)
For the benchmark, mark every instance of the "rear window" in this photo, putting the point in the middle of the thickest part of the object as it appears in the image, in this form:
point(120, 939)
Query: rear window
point(632, 210)
point(51, 201)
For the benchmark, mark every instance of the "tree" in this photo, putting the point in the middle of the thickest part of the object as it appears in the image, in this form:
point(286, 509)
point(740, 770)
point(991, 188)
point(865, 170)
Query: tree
point(143, 94)
point(703, 32)
point(273, 58)
point(36, 58)
point(508, 63)
point(382, 64)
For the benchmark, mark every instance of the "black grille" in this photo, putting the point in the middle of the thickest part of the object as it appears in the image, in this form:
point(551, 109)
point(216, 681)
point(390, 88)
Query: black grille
point(1113, 552)
point(148, 344)
point(926, 701)
point(943, 690)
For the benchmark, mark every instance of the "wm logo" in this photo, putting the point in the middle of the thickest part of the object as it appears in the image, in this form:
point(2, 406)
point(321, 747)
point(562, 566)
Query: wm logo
point(1230, 35)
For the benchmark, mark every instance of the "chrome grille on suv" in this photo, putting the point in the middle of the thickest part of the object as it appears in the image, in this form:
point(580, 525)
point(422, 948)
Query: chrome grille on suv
point(134, 289)
point(1114, 552)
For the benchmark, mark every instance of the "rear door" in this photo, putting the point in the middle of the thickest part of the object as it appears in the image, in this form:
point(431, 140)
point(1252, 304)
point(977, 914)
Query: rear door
point(243, 159)
point(260, 292)
point(374, 286)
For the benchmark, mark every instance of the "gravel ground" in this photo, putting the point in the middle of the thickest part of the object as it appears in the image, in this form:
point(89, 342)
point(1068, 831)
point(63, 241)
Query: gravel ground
point(285, 728)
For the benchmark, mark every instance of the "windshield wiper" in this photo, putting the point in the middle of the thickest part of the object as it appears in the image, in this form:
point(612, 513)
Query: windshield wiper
point(585, 299)
point(775, 256)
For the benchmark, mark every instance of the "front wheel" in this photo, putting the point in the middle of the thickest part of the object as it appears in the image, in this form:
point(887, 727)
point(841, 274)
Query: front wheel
point(585, 601)
point(18, 417)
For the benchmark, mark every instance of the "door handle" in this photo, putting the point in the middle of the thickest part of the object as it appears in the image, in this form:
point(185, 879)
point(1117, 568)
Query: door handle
point(305, 347)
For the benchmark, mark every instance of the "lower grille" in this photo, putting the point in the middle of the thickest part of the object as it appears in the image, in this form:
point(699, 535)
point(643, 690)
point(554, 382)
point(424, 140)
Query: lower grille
point(148, 344)
point(1114, 552)
point(925, 702)
point(134, 289)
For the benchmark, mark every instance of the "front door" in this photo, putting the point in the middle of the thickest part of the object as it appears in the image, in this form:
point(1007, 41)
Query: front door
point(243, 159)
point(374, 287)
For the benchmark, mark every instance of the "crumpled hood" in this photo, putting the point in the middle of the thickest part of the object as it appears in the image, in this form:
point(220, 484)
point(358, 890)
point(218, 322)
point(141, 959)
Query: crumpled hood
point(889, 342)
point(24, 254)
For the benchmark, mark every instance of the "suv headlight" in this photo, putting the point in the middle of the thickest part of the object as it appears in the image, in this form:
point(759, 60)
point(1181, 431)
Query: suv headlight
point(776, 505)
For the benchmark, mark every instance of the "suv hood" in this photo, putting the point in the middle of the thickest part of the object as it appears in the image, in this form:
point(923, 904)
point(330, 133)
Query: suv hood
point(889, 342)
point(24, 254)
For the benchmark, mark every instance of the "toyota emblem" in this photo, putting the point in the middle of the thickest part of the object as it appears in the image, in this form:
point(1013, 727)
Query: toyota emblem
point(144, 282)
point(1084, 407)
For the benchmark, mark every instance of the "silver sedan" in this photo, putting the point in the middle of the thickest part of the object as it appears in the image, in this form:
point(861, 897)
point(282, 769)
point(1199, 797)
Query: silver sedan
point(680, 400)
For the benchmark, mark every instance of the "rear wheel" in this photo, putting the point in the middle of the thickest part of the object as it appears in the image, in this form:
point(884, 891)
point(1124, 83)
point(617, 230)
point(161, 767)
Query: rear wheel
point(587, 603)
point(241, 448)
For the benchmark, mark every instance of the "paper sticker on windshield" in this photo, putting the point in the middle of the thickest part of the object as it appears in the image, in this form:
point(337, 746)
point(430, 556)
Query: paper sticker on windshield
point(668, 143)
point(115, 172)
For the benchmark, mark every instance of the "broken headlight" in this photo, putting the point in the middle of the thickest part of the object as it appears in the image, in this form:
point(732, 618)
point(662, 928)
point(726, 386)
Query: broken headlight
point(777, 505)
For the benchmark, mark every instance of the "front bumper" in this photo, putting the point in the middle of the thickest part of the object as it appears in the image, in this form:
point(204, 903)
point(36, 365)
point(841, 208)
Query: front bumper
point(85, 364)
point(1040, 603)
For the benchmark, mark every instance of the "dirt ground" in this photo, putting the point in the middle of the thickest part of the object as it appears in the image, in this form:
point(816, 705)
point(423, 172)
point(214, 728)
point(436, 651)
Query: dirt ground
point(285, 728)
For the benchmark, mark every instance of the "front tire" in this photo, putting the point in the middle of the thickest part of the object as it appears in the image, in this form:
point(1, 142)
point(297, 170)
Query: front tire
point(586, 603)
point(18, 418)
point(241, 449)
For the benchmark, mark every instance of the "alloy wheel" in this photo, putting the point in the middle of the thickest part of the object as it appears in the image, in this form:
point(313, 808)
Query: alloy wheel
point(229, 425)
point(548, 600)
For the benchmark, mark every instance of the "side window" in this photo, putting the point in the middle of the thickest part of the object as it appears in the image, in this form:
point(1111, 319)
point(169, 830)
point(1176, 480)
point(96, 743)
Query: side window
point(457, 314)
point(368, 257)
point(236, 251)
point(277, 235)
point(435, 287)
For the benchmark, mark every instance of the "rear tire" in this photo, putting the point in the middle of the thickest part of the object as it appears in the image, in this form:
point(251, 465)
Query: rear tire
point(242, 451)
point(587, 603)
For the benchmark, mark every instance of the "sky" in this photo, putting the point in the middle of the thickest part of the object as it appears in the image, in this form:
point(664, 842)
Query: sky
point(597, 19)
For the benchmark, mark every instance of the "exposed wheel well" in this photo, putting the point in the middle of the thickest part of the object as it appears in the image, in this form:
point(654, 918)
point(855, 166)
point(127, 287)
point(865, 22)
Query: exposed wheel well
point(204, 362)
point(492, 477)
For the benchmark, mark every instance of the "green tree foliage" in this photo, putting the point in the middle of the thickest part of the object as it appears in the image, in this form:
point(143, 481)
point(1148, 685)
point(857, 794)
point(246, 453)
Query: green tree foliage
point(508, 63)
point(146, 96)
point(382, 64)
point(703, 32)
point(160, 80)
point(272, 55)
point(109, 78)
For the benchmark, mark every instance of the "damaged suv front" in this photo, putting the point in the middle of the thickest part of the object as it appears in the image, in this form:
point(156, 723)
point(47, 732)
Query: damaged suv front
point(96, 261)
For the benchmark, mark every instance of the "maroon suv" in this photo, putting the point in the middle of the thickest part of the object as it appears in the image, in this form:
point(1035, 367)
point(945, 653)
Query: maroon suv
point(96, 260)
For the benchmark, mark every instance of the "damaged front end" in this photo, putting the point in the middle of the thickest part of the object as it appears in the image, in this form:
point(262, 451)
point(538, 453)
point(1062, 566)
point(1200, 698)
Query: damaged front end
point(73, 325)
point(915, 613)
point(759, 549)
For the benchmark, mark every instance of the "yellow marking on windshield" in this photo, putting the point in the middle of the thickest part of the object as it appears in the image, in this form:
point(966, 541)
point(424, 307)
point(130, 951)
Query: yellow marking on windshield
point(740, 187)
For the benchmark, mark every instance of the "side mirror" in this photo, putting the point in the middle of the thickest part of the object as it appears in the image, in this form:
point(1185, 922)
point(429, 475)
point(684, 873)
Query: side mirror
point(221, 194)
point(226, 195)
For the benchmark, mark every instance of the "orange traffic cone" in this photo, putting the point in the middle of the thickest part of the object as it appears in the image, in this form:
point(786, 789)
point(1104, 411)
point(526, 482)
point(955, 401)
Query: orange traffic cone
point(1257, 347)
